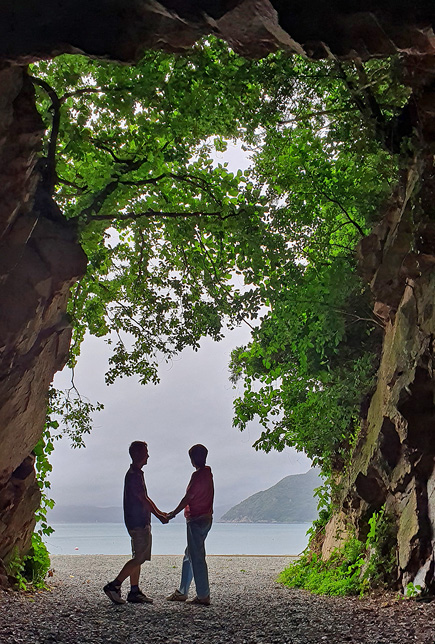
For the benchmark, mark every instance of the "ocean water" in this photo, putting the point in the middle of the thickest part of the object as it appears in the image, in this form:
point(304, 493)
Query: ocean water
point(170, 539)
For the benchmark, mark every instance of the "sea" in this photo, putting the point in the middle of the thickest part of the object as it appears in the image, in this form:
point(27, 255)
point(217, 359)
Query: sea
point(170, 539)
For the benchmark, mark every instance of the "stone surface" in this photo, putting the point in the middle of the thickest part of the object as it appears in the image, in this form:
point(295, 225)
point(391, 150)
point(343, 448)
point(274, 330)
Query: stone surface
point(393, 463)
point(18, 499)
point(247, 607)
point(112, 28)
point(39, 260)
point(335, 534)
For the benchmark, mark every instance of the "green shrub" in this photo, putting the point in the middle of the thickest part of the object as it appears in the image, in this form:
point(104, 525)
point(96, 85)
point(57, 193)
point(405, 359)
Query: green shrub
point(340, 575)
point(381, 544)
point(15, 569)
point(353, 568)
point(37, 562)
point(319, 524)
point(31, 570)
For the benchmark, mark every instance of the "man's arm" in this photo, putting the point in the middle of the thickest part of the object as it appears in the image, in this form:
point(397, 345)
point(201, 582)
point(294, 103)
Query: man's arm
point(162, 516)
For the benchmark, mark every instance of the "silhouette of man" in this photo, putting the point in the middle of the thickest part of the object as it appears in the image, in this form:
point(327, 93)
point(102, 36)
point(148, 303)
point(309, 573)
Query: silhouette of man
point(138, 508)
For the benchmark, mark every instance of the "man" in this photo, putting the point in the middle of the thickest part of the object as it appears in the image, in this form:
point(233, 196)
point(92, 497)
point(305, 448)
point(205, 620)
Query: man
point(138, 508)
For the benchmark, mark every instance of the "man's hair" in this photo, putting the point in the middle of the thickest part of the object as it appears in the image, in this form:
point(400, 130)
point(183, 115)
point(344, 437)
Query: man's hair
point(137, 449)
point(198, 454)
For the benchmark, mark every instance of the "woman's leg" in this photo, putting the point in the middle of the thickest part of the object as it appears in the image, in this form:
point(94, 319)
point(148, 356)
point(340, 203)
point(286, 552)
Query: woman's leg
point(186, 573)
point(196, 534)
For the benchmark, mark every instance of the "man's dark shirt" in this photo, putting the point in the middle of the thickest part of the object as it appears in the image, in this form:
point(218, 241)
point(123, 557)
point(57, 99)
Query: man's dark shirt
point(136, 511)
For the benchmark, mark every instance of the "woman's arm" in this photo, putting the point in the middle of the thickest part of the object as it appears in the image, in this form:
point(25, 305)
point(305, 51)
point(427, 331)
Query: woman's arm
point(184, 501)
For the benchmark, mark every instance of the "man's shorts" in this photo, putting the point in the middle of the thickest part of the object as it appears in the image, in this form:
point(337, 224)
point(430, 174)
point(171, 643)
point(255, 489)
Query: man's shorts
point(141, 543)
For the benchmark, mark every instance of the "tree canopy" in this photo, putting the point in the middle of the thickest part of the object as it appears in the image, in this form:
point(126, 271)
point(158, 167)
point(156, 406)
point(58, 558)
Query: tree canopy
point(178, 246)
point(327, 168)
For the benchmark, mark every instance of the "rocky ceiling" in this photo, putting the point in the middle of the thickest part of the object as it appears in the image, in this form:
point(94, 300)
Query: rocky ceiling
point(121, 30)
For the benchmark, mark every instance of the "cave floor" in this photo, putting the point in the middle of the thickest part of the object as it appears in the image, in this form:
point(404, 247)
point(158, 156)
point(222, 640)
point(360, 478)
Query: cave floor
point(248, 607)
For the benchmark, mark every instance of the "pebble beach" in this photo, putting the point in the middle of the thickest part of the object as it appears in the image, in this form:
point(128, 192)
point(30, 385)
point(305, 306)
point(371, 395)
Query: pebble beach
point(248, 607)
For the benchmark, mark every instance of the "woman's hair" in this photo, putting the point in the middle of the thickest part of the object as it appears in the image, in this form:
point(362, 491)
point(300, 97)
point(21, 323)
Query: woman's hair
point(198, 454)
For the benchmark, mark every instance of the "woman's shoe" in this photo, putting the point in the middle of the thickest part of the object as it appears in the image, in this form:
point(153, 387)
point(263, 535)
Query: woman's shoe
point(176, 597)
point(204, 601)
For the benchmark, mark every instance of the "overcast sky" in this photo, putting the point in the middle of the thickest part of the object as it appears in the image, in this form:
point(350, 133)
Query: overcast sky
point(192, 404)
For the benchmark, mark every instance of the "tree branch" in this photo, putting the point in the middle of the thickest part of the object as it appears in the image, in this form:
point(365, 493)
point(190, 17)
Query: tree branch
point(65, 182)
point(133, 216)
point(337, 203)
point(102, 146)
point(344, 211)
point(302, 117)
point(94, 90)
point(144, 182)
point(108, 189)
point(49, 176)
point(197, 182)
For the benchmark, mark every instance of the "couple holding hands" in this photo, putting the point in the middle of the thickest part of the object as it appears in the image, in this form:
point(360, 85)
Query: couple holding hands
point(138, 507)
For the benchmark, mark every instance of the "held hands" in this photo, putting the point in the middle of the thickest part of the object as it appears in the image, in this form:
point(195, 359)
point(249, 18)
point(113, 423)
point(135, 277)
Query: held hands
point(165, 517)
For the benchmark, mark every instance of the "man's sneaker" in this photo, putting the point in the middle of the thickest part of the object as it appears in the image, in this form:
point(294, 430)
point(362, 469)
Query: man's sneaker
point(204, 601)
point(138, 598)
point(176, 597)
point(114, 593)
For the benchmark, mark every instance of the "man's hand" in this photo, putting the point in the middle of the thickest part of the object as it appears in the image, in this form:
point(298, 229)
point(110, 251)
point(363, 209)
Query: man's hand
point(164, 517)
point(170, 515)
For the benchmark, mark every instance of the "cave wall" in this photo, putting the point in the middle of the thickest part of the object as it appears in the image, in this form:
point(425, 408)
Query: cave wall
point(393, 463)
point(39, 260)
point(40, 257)
point(394, 460)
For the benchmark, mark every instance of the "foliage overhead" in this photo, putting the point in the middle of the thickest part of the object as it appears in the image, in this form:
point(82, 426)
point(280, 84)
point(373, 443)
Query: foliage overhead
point(163, 227)
point(178, 245)
point(326, 171)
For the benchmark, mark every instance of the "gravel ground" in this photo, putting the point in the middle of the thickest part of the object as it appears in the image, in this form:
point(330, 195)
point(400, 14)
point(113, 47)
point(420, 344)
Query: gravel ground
point(248, 606)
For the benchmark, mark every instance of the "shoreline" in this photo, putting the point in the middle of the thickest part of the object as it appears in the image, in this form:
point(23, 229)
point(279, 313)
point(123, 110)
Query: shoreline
point(224, 539)
point(128, 554)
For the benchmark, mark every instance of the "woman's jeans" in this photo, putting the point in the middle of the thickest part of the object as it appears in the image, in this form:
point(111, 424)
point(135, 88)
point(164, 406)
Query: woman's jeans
point(194, 564)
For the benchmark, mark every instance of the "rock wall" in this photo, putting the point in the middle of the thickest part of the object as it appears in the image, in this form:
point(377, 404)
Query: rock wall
point(40, 258)
point(394, 461)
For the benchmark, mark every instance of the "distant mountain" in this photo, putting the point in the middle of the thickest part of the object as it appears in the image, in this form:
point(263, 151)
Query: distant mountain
point(291, 500)
point(85, 514)
point(92, 514)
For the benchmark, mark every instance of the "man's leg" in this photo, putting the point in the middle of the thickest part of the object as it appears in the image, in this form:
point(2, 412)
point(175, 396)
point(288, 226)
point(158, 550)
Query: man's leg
point(141, 550)
point(132, 570)
point(134, 576)
point(141, 540)
point(113, 589)
point(197, 533)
